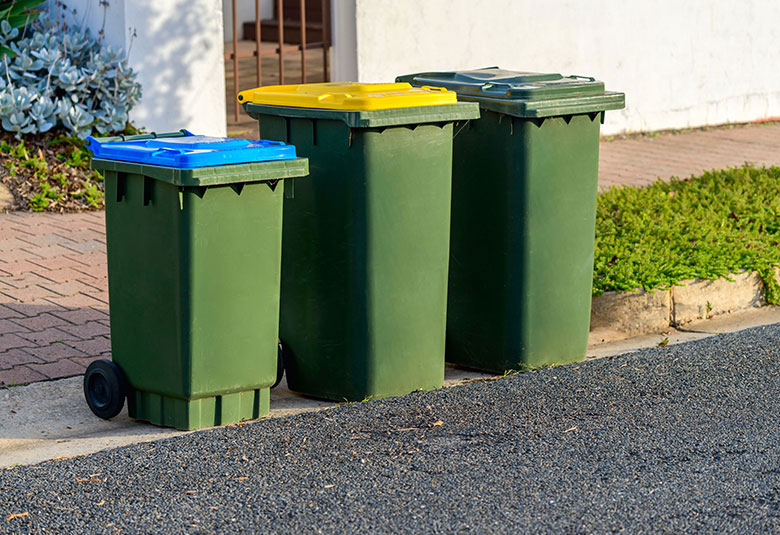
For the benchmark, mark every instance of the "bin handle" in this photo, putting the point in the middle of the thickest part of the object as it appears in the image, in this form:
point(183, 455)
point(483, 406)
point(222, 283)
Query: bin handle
point(331, 96)
point(433, 88)
point(588, 78)
point(498, 86)
point(164, 150)
point(90, 141)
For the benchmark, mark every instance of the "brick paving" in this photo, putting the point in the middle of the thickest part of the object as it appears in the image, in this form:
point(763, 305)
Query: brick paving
point(641, 161)
point(53, 282)
point(53, 295)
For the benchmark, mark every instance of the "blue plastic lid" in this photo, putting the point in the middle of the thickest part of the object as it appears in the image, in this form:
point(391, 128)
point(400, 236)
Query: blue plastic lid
point(185, 150)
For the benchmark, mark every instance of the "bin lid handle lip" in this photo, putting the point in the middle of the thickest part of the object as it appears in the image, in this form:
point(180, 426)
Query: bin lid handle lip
point(434, 88)
point(91, 141)
point(166, 150)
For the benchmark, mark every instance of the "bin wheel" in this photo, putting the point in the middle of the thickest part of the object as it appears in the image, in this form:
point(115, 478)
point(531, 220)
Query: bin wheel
point(279, 365)
point(104, 388)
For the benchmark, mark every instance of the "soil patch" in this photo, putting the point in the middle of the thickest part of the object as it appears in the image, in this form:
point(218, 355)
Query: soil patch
point(49, 172)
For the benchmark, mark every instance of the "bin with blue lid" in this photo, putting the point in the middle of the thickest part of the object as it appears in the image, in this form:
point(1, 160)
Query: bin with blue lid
point(523, 216)
point(193, 232)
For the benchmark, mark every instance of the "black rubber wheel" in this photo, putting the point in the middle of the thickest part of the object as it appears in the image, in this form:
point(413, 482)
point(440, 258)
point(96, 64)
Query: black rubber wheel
point(104, 388)
point(279, 365)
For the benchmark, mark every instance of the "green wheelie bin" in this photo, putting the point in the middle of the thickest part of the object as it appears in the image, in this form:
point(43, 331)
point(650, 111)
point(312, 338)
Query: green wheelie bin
point(523, 216)
point(193, 235)
point(366, 235)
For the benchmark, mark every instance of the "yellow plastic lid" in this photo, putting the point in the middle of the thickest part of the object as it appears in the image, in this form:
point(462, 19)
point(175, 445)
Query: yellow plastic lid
point(348, 96)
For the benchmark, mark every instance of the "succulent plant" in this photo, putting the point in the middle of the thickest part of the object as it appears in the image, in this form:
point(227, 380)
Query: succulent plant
point(59, 75)
point(17, 14)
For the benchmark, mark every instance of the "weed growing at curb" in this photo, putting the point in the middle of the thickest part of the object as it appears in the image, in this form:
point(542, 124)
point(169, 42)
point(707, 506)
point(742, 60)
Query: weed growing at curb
point(702, 227)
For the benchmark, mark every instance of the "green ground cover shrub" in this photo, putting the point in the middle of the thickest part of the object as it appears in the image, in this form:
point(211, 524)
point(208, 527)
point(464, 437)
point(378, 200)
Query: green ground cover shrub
point(701, 227)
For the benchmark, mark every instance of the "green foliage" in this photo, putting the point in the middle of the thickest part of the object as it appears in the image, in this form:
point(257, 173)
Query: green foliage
point(40, 201)
point(18, 14)
point(93, 195)
point(132, 130)
point(70, 141)
point(34, 162)
point(64, 182)
point(701, 227)
point(17, 151)
point(78, 158)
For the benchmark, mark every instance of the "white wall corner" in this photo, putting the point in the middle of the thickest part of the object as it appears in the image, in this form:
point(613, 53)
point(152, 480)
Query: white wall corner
point(178, 54)
point(176, 47)
point(344, 32)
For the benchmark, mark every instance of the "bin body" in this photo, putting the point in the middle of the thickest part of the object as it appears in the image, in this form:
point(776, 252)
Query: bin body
point(525, 179)
point(194, 269)
point(365, 248)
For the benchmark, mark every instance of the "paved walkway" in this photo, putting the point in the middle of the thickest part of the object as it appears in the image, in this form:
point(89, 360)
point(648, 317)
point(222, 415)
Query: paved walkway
point(53, 295)
point(53, 285)
point(640, 161)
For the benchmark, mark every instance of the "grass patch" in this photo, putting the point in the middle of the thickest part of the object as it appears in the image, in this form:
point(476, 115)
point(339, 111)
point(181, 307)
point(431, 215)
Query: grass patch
point(701, 227)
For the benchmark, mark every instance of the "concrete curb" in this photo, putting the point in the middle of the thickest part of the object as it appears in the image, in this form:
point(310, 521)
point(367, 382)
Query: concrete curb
point(621, 315)
point(50, 420)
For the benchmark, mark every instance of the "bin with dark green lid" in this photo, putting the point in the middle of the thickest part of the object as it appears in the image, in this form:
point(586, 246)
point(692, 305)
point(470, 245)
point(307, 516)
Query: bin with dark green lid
point(366, 236)
point(193, 233)
point(523, 216)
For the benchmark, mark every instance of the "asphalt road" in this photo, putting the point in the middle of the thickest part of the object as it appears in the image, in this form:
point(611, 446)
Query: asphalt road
point(674, 439)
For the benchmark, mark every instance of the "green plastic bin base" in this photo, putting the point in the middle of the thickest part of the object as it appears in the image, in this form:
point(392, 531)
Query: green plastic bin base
point(197, 413)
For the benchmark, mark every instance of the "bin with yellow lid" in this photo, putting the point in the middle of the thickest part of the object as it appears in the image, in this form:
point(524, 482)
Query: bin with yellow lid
point(365, 247)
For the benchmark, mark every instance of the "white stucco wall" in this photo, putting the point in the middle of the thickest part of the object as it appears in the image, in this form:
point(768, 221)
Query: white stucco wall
point(680, 64)
point(177, 53)
point(343, 29)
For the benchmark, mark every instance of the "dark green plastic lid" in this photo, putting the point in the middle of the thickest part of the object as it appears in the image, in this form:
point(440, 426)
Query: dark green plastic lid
point(524, 94)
